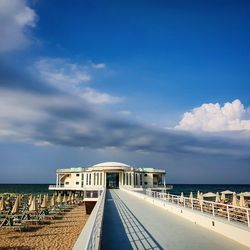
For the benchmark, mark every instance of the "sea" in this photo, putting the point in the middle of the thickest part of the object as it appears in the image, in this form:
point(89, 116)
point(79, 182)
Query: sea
point(177, 188)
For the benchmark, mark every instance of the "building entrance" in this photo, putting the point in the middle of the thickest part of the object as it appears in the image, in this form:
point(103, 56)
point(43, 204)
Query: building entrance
point(112, 180)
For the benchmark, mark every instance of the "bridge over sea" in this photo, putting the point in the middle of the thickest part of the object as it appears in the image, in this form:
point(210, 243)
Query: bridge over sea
point(126, 219)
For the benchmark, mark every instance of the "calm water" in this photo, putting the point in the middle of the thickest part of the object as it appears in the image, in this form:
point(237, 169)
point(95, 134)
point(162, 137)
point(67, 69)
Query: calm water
point(178, 188)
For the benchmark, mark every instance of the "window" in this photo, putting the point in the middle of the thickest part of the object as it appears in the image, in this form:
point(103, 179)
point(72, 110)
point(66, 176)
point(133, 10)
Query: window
point(145, 174)
point(77, 174)
point(145, 183)
point(66, 183)
point(77, 183)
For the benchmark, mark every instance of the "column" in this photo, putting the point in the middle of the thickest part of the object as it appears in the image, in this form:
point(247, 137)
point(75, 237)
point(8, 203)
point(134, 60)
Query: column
point(132, 178)
point(56, 180)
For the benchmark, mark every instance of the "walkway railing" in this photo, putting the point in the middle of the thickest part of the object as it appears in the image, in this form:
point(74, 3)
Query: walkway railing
point(91, 233)
point(230, 212)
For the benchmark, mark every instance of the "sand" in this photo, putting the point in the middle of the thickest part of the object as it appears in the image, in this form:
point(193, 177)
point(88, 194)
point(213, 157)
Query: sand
point(60, 233)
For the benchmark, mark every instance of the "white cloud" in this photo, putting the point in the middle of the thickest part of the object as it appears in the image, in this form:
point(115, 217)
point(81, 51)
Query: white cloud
point(93, 96)
point(125, 112)
point(98, 65)
point(62, 73)
point(72, 77)
point(211, 117)
point(15, 18)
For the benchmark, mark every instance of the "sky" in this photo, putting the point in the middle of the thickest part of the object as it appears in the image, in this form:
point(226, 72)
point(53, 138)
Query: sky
point(162, 84)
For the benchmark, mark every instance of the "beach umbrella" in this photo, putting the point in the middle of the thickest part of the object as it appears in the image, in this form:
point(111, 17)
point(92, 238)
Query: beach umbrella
point(242, 201)
point(198, 194)
point(68, 199)
point(235, 201)
point(227, 192)
point(30, 199)
point(182, 197)
point(33, 205)
point(59, 198)
point(64, 199)
point(217, 199)
point(52, 201)
point(191, 196)
point(44, 203)
point(246, 194)
point(15, 208)
point(47, 198)
point(2, 204)
point(39, 199)
point(209, 195)
point(201, 199)
point(72, 197)
point(223, 197)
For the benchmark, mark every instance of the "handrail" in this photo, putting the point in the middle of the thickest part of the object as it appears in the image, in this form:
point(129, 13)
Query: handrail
point(232, 213)
point(90, 236)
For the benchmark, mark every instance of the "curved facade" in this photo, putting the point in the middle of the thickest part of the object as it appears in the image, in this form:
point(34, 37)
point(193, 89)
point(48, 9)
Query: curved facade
point(109, 175)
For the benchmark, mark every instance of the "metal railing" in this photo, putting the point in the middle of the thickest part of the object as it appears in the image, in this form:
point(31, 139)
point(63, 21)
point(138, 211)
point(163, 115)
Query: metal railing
point(230, 212)
point(91, 233)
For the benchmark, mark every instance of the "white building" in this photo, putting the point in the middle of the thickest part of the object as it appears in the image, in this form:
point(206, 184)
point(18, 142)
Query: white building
point(109, 175)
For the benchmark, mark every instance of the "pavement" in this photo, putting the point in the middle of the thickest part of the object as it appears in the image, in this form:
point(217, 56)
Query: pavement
point(132, 223)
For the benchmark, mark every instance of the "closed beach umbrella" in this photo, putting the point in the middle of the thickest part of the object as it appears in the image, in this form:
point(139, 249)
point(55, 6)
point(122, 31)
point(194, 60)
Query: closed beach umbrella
point(72, 197)
point(201, 199)
point(191, 197)
point(30, 199)
point(235, 201)
point(40, 199)
point(2, 204)
point(182, 197)
point(242, 200)
point(68, 199)
point(64, 199)
point(198, 194)
point(59, 198)
point(217, 199)
point(15, 208)
point(33, 205)
point(44, 203)
point(52, 201)
point(223, 197)
point(47, 198)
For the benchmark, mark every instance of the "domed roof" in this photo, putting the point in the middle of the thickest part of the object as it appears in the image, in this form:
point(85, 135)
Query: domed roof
point(111, 164)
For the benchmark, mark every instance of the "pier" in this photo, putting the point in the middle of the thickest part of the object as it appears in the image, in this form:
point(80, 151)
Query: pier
point(125, 219)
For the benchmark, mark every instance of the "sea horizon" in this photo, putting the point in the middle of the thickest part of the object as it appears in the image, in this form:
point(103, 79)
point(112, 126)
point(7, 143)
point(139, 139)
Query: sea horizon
point(36, 188)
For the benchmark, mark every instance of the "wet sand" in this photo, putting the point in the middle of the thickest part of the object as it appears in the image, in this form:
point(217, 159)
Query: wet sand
point(60, 233)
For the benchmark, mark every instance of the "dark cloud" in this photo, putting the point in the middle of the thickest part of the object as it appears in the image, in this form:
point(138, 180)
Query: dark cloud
point(34, 111)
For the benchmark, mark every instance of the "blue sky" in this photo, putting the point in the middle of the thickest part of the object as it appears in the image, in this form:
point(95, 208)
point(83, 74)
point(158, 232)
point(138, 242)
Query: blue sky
point(150, 83)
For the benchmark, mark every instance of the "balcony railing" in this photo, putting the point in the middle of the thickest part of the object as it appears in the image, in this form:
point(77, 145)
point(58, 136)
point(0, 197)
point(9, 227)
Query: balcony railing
point(230, 212)
point(91, 234)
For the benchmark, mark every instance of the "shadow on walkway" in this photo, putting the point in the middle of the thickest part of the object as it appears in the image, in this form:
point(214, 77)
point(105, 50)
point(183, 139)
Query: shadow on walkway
point(121, 228)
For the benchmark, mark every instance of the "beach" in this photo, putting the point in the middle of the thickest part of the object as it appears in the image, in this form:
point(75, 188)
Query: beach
point(60, 233)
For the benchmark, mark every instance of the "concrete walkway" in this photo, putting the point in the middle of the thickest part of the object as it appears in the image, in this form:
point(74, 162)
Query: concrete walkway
point(131, 223)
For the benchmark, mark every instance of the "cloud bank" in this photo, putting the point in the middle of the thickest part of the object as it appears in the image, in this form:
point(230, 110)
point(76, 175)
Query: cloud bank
point(16, 19)
point(41, 114)
point(215, 118)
